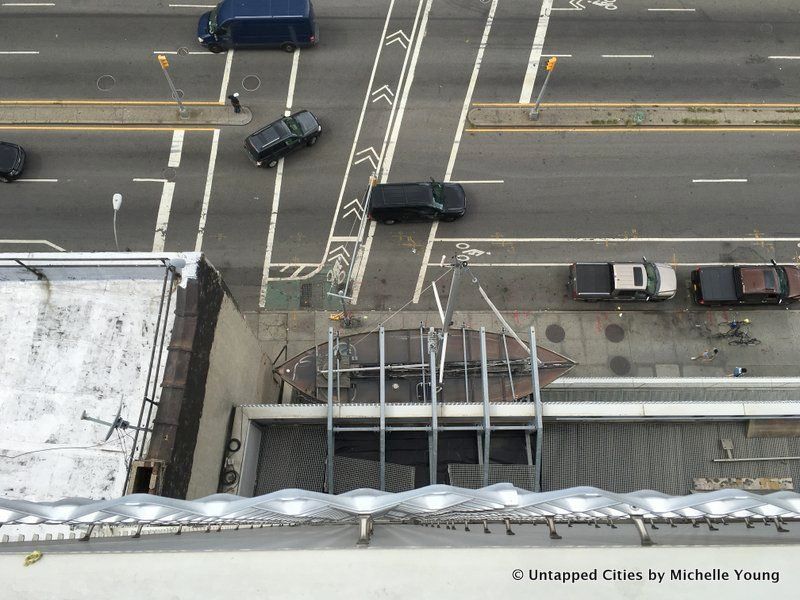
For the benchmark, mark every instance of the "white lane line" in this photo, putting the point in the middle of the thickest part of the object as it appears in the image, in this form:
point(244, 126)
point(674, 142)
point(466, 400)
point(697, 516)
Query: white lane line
point(604, 240)
point(43, 242)
point(149, 180)
point(784, 57)
point(536, 52)
point(555, 264)
point(671, 9)
point(471, 181)
point(29, 3)
point(276, 196)
point(212, 161)
point(19, 52)
point(192, 52)
point(560, 55)
point(627, 55)
point(719, 180)
point(37, 181)
point(176, 148)
point(456, 144)
point(390, 141)
point(292, 81)
point(226, 75)
point(162, 221)
point(192, 5)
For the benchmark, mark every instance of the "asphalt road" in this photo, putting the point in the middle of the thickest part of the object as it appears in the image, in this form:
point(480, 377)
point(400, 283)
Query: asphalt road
point(390, 82)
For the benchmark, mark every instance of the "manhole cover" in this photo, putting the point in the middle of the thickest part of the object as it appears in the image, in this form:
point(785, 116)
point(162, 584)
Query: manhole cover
point(177, 95)
point(765, 28)
point(105, 83)
point(169, 173)
point(615, 333)
point(620, 365)
point(555, 333)
point(251, 83)
point(183, 51)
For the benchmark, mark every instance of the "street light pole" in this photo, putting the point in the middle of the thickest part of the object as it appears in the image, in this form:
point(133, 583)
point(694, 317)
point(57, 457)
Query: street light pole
point(164, 67)
point(550, 67)
point(116, 202)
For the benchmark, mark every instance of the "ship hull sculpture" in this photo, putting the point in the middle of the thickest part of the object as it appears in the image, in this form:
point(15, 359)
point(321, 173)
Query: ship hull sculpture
point(356, 368)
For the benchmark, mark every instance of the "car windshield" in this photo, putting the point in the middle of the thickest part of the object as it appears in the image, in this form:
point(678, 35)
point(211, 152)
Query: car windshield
point(783, 282)
point(212, 20)
point(293, 126)
point(652, 277)
point(438, 191)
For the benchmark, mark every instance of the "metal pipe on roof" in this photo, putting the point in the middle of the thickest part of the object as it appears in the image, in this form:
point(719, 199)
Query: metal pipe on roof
point(537, 401)
point(382, 472)
point(433, 436)
point(329, 462)
point(487, 433)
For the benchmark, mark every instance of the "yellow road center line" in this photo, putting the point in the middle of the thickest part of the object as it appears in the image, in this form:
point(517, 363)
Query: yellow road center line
point(675, 129)
point(636, 104)
point(106, 103)
point(99, 128)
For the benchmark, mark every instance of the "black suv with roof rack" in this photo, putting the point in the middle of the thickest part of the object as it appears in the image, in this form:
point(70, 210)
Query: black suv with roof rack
point(392, 203)
point(271, 143)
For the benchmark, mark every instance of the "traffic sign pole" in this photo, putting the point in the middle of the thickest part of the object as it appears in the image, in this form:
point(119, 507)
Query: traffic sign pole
point(550, 67)
point(165, 68)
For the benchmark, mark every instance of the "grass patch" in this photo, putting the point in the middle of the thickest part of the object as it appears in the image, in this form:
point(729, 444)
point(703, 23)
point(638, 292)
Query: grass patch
point(699, 121)
point(604, 122)
point(790, 110)
point(779, 122)
point(697, 109)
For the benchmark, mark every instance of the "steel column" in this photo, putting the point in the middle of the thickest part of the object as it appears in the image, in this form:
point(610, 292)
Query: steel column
point(381, 341)
point(329, 478)
point(487, 433)
point(537, 400)
point(433, 437)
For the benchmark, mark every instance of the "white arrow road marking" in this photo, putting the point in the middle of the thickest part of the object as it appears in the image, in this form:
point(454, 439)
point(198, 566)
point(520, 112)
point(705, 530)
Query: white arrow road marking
point(340, 252)
point(376, 96)
point(358, 210)
point(398, 36)
point(371, 156)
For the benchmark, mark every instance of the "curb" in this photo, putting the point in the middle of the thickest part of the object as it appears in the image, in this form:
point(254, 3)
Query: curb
point(587, 116)
point(80, 113)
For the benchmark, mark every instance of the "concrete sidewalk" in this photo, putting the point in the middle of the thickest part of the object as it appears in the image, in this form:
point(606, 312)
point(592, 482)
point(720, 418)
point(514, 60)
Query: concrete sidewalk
point(636, 115)
point(605, 344)
point(113, 113)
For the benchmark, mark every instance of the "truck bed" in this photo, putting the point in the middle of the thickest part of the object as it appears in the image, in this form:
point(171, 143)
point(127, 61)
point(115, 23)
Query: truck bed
point(592, 280)
point(717, 284)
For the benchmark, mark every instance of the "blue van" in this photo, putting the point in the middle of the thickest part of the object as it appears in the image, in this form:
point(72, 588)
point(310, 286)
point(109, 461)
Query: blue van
point(285, 24)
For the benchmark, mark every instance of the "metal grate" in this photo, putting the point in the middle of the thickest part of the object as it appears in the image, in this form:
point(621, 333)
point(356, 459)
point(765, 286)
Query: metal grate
point(666, 457)
point(306, 295)
point(355, 473)
point(471, 476)
point(291, 456)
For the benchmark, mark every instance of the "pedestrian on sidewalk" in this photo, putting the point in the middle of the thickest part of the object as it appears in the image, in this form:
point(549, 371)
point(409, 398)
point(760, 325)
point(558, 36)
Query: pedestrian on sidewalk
point(738, 371)
point(707, 355)
point(234, 98)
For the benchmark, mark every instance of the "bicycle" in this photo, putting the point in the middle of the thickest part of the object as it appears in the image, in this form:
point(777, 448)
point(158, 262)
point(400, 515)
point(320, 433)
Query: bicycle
point(742, 338)
point(732, 328)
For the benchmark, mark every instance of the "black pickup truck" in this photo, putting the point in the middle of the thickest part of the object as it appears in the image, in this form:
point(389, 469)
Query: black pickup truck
point(734, 284)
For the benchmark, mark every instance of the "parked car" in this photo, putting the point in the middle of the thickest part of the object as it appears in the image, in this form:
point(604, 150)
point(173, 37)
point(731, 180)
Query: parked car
point(618, 281)
point(757, 284)
point(288, 24)
point(12, 161)
point(392, 203)
point(271, 143)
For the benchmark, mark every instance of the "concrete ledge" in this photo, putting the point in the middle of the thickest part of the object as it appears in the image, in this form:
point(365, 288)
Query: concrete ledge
point(636, 115)
point(121, 114)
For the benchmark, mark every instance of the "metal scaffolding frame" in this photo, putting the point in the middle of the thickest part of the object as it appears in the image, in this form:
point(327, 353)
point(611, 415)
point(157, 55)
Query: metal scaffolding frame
point(430, 393)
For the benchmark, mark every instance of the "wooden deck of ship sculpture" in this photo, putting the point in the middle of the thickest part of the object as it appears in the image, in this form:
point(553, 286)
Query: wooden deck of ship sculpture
point(356, 369)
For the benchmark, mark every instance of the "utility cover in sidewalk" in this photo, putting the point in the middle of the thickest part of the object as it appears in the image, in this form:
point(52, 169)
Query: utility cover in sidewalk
point(615, 333)
point(555, 333)
point(620, 365)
